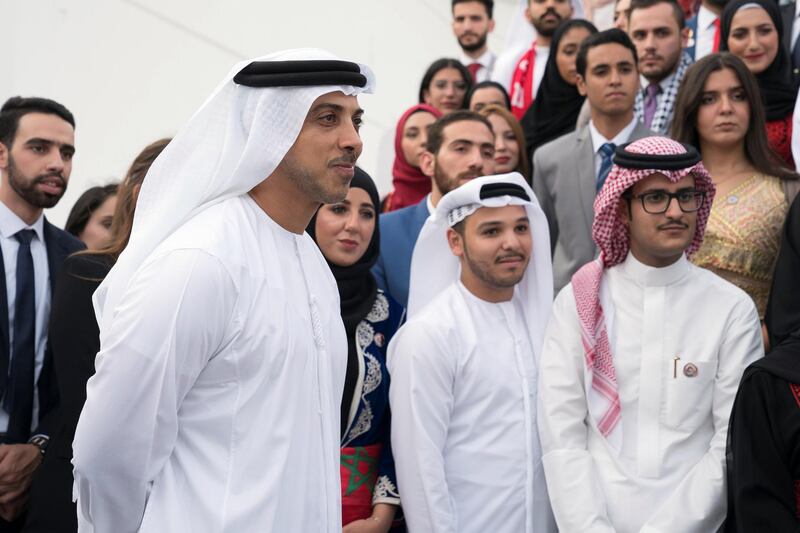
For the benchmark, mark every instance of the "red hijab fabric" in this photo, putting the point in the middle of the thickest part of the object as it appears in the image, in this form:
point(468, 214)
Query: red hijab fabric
point(410, 184)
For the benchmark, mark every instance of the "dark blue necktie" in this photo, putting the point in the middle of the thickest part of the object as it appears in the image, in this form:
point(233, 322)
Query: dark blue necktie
point(18, 400)
point(606, 153)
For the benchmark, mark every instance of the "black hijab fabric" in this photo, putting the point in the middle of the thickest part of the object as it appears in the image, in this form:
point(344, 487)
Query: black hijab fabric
point(555, 109)
point(775, 83)
point(357, 289)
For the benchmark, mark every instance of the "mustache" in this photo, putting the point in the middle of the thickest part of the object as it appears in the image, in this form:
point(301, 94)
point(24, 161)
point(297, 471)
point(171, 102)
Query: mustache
point(674, 223)
point(510, 256)
point(349, 159)
point(551, 11)
point(58, 175)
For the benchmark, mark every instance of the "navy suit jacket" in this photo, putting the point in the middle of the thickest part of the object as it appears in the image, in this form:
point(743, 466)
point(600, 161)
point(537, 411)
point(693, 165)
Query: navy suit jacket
point(59, 244)
point(399, 232)
point(691, 45)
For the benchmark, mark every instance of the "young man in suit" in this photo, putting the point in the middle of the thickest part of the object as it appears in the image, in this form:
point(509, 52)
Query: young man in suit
point(568, 172)
point(37, 138)
point(704, 29)
point(460, 147)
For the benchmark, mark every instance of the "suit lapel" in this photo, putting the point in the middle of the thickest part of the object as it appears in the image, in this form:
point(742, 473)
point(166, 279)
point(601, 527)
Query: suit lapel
point(586, 177)
point(56, 253)
point(5, 346)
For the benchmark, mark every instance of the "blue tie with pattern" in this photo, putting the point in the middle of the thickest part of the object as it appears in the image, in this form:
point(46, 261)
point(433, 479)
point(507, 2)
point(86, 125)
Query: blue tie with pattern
point(606, 153)
point(18, 401)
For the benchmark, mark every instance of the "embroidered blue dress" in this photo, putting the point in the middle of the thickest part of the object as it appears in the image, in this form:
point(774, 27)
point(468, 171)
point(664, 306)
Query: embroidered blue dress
point(368, 423)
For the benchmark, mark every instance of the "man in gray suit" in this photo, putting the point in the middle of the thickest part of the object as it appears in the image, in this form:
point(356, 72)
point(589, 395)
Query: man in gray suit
point(568, 172)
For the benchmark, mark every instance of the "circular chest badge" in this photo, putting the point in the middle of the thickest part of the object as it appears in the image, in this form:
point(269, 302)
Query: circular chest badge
point(690, 370)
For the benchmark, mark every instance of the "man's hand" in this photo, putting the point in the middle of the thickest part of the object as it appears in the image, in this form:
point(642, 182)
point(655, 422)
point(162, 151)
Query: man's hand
point(11, 511)
point(18, 462)
point(367, 525)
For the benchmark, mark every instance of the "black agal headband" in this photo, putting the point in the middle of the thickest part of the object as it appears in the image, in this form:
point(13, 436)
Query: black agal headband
point(626, 159)
point(300, 74)
point(493, 190)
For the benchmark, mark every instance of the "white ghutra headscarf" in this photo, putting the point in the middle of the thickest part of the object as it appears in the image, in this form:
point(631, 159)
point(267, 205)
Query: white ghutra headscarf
point(232, 143)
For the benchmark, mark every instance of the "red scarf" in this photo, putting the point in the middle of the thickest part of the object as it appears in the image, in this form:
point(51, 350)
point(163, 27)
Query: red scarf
point(410, 184)
point(522, 83)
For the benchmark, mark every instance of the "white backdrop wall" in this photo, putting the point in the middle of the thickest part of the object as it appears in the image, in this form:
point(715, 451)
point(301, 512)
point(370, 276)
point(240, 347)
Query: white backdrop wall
point(133, 71)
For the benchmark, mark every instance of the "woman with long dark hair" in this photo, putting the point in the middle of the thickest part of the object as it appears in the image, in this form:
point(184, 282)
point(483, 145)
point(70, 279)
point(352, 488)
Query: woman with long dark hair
point(558, 103)
point(752, 30)
point(445, 85)
point(509, 142)
point(719, 111)
point(347, 236)
point(75, 340)
point(90, 218)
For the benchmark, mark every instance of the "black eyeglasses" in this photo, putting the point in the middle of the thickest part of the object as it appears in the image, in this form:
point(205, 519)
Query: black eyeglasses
point(657, 202)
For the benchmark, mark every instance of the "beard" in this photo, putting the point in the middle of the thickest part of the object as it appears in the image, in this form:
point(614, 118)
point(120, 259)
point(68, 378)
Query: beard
point(483, 272)
point(474, 47)
point(446, 183)
point(545, 29)
point(316, 188)
point(26, 188)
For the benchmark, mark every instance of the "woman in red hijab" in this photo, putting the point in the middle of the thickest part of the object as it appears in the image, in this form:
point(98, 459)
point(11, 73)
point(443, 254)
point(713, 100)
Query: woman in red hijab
point(410, 184)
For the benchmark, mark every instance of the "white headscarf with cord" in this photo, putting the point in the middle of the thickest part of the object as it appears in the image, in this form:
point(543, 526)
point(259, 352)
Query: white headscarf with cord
point(231, 144)
point(434, 267)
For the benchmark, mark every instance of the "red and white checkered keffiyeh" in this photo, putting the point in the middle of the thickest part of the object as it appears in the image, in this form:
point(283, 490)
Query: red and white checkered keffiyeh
point(611, 236)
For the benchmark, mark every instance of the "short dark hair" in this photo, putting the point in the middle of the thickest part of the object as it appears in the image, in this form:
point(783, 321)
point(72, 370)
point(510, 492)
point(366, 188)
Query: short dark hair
point(16, 107)
point(436, 130)
point(677, 10)
point(486, 84)
point(88, 202)
point(438, 65)
point(614, 35)
point(488, 4)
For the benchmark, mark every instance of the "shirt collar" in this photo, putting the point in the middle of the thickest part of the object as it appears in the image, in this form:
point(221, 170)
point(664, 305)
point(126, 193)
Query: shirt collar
point(705, 18)
point(796, 9)
point(664, 84)
point(647, 276)
point(429, 203)
point(486, 59)
point(10, 223)
point(621, 138)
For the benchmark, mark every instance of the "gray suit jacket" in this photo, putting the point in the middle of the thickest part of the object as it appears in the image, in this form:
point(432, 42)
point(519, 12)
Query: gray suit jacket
point(564, 183)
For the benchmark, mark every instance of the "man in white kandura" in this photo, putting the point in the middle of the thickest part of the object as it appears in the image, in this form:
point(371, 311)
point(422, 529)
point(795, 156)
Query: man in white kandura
point(464, 368)
point(215, 406)
point(643, 357)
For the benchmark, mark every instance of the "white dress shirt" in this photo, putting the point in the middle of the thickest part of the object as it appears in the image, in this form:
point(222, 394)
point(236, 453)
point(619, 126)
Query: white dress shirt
point(669, 474)
point(704, 40)
point(644, 83)
point(487, 60)
point(216, 402)
point(10, 224)
point(464, 430)
point(599, 140)
point(507, 64)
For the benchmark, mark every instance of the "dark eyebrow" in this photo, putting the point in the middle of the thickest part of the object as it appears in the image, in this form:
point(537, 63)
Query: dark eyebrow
point(368, 204)
point(50, 142)
point(333, 107)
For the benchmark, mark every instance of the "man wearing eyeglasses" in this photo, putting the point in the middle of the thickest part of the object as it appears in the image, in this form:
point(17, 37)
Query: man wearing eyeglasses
point(642, 358)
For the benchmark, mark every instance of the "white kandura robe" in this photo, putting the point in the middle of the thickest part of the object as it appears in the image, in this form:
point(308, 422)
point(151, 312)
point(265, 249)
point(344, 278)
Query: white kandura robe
point(215, 407)
point(670, 473)
point(464, 435)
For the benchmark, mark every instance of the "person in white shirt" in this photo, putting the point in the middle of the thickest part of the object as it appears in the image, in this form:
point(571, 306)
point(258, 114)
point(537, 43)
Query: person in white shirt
point(472, 24)
point(567, 186)
point(216, 402)
point(704, 29)
point(642, 358)
point(522, 72)
point(658, 29)
point(464, 367)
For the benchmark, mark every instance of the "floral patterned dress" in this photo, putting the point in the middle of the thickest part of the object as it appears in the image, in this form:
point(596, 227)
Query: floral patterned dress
point(367, 465)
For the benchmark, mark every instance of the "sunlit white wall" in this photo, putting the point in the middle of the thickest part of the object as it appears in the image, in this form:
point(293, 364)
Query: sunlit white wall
point(135, 70)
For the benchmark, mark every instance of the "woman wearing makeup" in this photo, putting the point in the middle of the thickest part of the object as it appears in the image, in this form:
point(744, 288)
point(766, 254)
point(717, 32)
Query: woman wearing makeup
point(752, 31)
point(347, 236)
point(718, 111)
point(410, 184)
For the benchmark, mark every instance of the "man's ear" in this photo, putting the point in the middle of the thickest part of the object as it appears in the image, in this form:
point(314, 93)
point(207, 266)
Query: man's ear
point(624, 211)
point(580, 83)
point(491, 25)
point(3, 156)
point(456, 242)
point(427, 163)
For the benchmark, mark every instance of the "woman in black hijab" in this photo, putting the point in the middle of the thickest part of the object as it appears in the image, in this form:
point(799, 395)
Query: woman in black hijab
point(764, 431)
point(753, 31)
point(555, 109)
point(347, 236)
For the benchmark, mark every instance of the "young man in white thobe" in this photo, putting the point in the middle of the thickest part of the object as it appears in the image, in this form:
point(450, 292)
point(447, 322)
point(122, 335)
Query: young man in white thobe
point(642, 358)
point(215, 406)
point(463, 394)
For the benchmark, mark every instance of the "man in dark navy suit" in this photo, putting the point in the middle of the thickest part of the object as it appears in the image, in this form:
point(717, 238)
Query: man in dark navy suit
point(460, 147)
point(37, 138)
